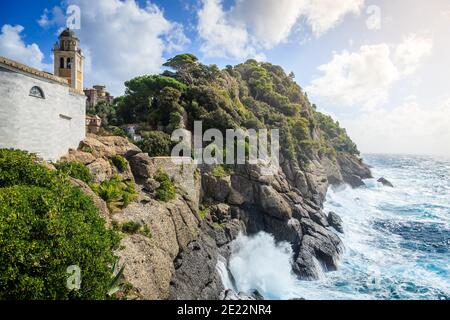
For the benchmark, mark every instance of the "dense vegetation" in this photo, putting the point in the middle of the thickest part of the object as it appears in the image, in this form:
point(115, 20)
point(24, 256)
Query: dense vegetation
point(47, 225)
point(248, 95)
point(75, 170)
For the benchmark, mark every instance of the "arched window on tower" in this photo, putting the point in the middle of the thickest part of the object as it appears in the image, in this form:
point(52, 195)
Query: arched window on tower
point(61, 63)
point(69, 63)
point(37, 92)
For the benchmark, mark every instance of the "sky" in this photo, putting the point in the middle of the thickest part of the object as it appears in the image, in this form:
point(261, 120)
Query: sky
point(379, 67)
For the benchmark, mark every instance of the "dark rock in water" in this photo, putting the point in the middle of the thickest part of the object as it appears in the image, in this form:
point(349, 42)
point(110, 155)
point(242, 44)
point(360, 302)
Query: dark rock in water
point(319, 251)
point(353, 170)
point(232, 295)
point(257, 295)
point(354, 181)
point(335, 221)
point(385, 182)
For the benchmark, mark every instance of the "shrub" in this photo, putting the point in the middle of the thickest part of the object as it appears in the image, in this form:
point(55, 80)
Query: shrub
point(20, 168)
point(203, 213)
point(131, 227)
point(166, 190)
point(75, 170)
point(117, 193)
point(47, 225)
point(219, 171)
point(155, 143)
point(120, 163)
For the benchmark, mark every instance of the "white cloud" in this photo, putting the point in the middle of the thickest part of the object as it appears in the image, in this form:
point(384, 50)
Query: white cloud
point(409, 53)
point(325, 14)
point(12, 46)
point(254, 25)
point(57, 18)
point(121, 40)
point(410, 128)
point(222, 38)
point(364, 78)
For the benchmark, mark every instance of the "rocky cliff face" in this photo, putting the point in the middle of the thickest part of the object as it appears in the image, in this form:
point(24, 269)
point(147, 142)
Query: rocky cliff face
point(176, 258)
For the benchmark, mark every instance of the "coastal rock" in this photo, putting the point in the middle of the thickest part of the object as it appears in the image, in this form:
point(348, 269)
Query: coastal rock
point(101, 170)
point(231, 295)
point(108, 146)
point(335, 221)
point(196, 275)
point(151, 185)
point(242, 190)
point(119, 145)
point(353, 170)
point(354, 181)
point(385, 182)
point(148, 268)
point(216, 188)
point(220, 212)
point(182, 172)
point(319, 251)
point(273, 203)
point(78, 156)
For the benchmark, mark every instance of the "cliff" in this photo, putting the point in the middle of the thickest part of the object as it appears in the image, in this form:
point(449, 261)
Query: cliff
point(177, 257)
point(172, 250)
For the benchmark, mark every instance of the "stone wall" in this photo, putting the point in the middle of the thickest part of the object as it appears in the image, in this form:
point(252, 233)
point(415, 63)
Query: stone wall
point(49, 126)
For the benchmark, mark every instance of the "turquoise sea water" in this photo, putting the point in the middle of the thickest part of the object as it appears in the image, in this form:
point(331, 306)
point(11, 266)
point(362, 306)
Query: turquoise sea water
point(397, 240)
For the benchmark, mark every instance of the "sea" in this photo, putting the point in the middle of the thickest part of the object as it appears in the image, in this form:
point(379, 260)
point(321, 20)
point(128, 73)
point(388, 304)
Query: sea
point(397, 240)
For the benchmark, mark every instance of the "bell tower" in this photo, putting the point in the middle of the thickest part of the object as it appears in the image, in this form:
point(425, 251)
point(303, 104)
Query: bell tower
point(69, 59)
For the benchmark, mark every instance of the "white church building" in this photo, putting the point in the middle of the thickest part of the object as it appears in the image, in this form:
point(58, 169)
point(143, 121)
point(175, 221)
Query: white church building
point(40, 112)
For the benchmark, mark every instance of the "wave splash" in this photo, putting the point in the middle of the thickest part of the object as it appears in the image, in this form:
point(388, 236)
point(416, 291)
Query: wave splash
point(258, 262)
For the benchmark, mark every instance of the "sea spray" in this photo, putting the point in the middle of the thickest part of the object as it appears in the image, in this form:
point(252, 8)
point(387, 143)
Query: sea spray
point(224, 274)
point(258, 262)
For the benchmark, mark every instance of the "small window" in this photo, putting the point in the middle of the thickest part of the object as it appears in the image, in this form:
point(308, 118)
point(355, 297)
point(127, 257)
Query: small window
point(37, 92)
point(61, 63)
point(69, 63)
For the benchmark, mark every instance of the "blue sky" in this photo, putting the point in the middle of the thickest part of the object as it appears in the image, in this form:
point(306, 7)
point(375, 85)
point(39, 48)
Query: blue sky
point(380, 67)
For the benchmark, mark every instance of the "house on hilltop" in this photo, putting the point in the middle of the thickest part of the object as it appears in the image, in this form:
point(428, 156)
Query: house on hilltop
point(96, 95)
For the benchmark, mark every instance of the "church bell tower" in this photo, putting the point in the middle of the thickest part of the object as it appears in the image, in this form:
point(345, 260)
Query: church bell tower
point(69, 59)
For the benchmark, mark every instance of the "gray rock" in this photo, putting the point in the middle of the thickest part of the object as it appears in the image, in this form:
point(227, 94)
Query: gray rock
point(216, 188)
point(273, 203)
point(353, 180)
point(231, 295)
point(196, 276)
point(385, 182)
point(319, 251)
point(220, 212)
point(335, 221)
point(151, 185)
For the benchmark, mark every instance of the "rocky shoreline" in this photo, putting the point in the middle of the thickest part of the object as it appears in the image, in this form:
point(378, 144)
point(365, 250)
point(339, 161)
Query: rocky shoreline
point(178, 260)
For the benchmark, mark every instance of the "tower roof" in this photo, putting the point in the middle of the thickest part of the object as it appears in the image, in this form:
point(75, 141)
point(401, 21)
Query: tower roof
point(68, 33)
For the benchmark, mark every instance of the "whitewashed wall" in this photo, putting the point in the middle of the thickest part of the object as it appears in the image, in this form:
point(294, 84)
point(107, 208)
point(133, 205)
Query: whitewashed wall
point(34, 124)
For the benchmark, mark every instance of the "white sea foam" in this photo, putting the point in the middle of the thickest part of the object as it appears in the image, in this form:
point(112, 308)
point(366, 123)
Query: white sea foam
point(257, 262)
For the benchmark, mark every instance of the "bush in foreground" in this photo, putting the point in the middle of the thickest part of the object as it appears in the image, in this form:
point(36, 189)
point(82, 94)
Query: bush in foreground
point(47, 225)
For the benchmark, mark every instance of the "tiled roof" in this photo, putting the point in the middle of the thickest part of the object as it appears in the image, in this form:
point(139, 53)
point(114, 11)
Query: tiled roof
point(32, 71)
